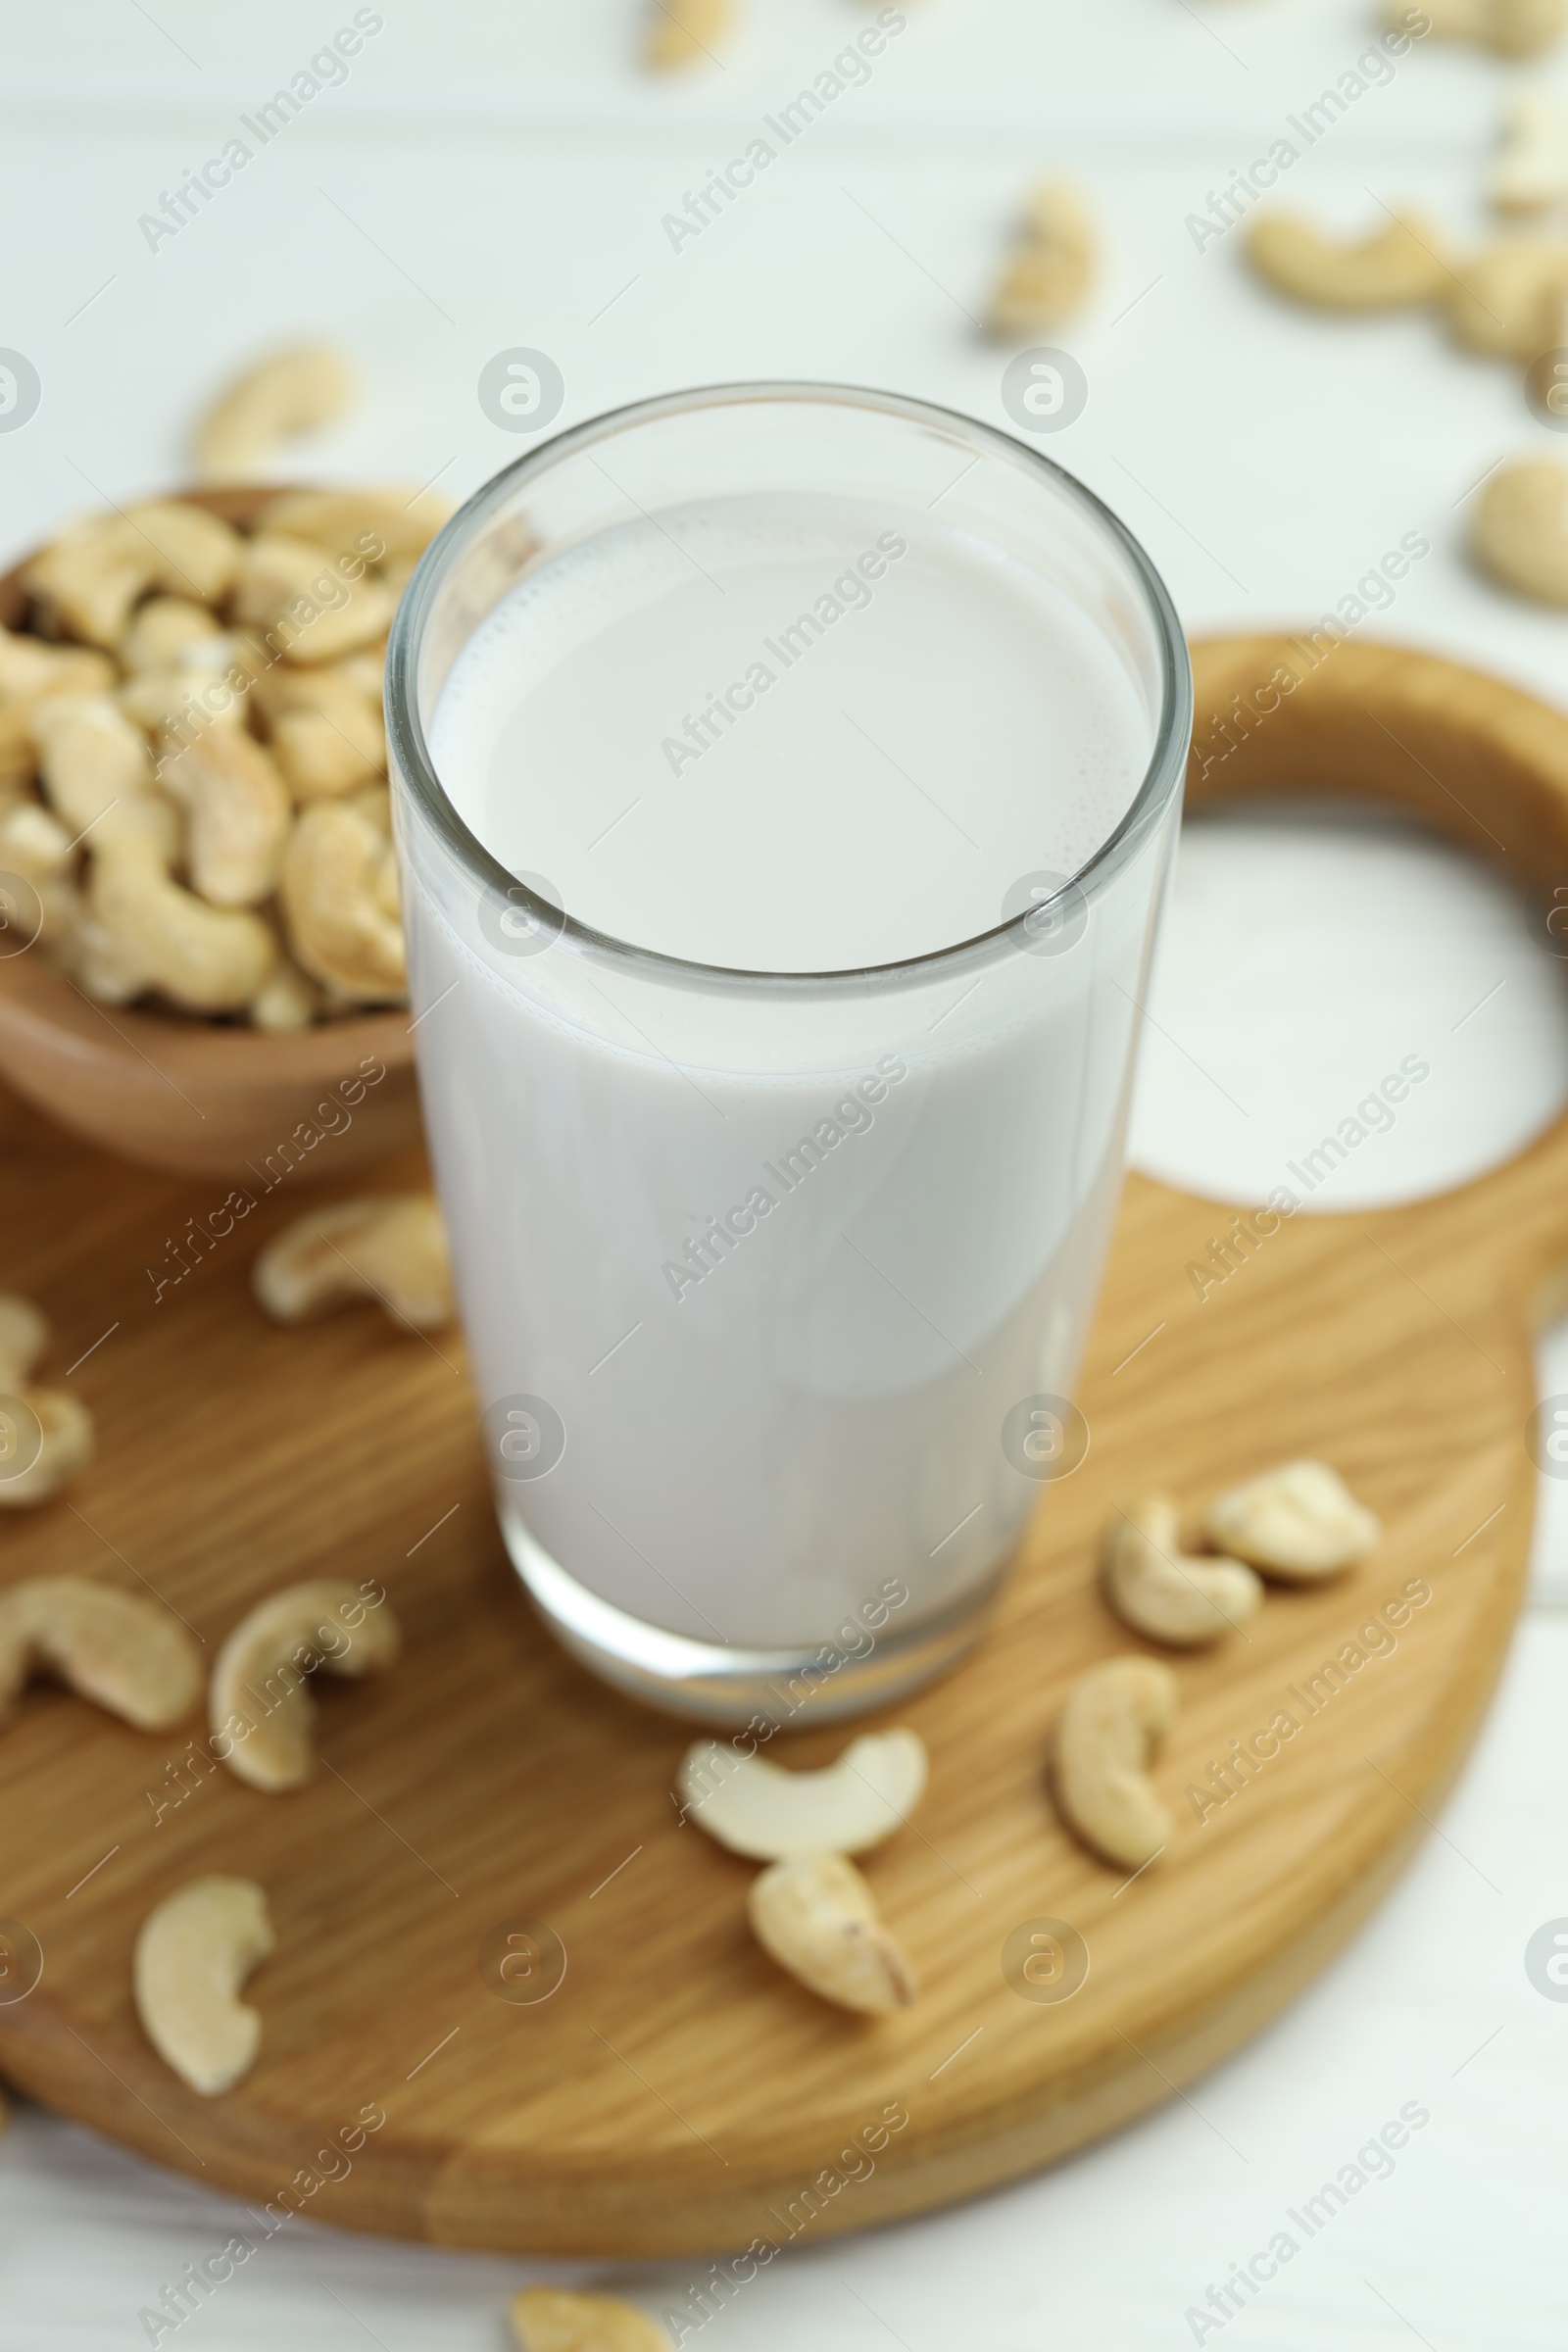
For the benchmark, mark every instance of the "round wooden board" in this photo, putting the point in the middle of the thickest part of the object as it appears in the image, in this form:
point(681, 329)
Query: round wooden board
point(677, 2093)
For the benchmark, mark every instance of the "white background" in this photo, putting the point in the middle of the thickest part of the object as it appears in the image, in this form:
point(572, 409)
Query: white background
point(496, 176)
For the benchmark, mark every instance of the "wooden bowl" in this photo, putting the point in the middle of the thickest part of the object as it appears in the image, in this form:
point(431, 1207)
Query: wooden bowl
point(177, 1091)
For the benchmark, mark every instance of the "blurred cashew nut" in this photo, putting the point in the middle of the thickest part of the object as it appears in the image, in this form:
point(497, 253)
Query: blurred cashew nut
point(1188, 1602)
point(1401, 265)
point(816, 1915)
point(1114, 1715)
point(120, 1649)
point(339, 895)
point(206, 959)
point(238, 815)
point(1050, 272)
point(262, 1716)
point(296, 391)
point(46, 1437)
point(391, 1247)
point(90, 579)
point(193, 1954)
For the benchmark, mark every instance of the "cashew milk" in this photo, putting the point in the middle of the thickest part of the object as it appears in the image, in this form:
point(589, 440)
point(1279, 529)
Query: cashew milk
point(779, 1269)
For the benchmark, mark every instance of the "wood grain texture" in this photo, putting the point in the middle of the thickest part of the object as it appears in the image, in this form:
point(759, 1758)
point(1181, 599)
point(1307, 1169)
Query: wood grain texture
point(676, 2092)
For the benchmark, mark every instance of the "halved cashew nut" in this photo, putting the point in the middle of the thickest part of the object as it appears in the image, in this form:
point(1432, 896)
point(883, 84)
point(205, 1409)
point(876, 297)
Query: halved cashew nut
point(1114, 1714)
point(1050, 272)
point(392, 1246)
point(89, 580)
point(339, 897)
point(816, 1917)
point(1530, 171)
point(399, 518)
point(261, 1706)
point(90, 756)
point(546, 2318)
point(1403, 264)
point(45, 1436)
point(680, 32)
point(117, 1648)
point(1520, 532)
point(293, 392)
point(324, 731)
point(193, 1954)
point(1508, 298)
point(307, 607)
point(238, 817)
point(207, 958)
point(1512, 28)
point(1188, 1602)
point(1299, 1523)
point(757, 1808)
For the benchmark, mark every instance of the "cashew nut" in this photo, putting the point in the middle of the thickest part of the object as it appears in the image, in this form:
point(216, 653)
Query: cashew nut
point(45, 1436)
point(1114, 1714)
point(1510, 297)
point(293, 592)
point(118, 1649)
point(1530, 171)
point(339, 900)
point(293, 392)
point(37, 846)
point(324, 731)
point(1188, 1602)
point(816, 1917)
point(1400, 265)
point(288, 999)
point(90, 577)
point(193, 1954)
point(1050, 270)
point(260, 1706)
point(546, 2318)
point(757, 1808)
point(1520, 532)
point(1299, 1523)
point(238, 817)
point(207, 958)
point(177, 705)
point(90, 757)
point(164, 630)
point(28, 671)
point(392, 1246)
point(1513, 28)
point(681, 32)
point(401, 519)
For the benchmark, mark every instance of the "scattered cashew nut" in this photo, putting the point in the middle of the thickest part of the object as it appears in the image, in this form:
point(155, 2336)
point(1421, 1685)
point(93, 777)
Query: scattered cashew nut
point(1299, 1523)
point(1114, 1714)
point(1185, 1602)
point(339, 897)
point(547, 2319)
point(260, 1703)
point(193, 1954)
point(816, 1917)
point(1512, 28)
point(238, 817)
point(681, 32)
point(1401, 265)
point(117, 1648)
point(1520, 532)
point(1507, 300)
point(293, 392)
point(759, 1809)
point(1530, 171)
point(1050, 270)
point(45, 1436)
point(391, 1247)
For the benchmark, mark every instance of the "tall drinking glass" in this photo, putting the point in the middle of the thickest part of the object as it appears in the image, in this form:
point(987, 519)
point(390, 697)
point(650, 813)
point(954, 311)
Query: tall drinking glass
point(785, 782)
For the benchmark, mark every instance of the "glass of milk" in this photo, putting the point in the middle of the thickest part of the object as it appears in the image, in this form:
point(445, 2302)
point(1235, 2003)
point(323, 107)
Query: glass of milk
point(786, 779)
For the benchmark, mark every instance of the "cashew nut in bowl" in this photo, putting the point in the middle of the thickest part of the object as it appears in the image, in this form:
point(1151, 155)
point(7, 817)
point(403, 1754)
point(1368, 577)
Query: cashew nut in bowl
point(1507, 300)
point(288, 999)
point(324, 729)
point(547, 2319)
point(1512, 28)
point(120, 1649)
point(206, 959)
point(1050, 273)
point(88, 580)
point(1520, 532)
point(310, 608)
point(261, 1712)
point(238, 815)
point(1187, 1602)
point(399, 518)
point(757, 1808)
point(340, 904)
point(45, 1436)
point(295, 391)
point(1299, 1523)
point(164, 630)
point(30, 671)
point(816, 1917)
point(1114, 1714)
point(37, 846)
point(90, 757)
point(175, 705)
point(1403, 264)
point(193, 1954)
point(682, 32)
point(391, 1247)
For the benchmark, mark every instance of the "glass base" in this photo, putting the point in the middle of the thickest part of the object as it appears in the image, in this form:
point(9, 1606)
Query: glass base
point(711, 1682)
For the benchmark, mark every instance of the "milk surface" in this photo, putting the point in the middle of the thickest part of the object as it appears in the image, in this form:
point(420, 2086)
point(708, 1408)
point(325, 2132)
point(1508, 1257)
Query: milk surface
point(782, 1265)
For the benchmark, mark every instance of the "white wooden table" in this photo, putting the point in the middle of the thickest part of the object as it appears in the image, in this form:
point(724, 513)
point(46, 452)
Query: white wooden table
point(497, 177)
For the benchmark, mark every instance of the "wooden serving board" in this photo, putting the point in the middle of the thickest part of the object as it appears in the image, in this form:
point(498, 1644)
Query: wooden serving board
point(677, 2093)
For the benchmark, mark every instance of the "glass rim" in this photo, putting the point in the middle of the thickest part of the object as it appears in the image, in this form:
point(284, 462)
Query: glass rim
point(417, 770)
